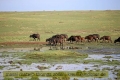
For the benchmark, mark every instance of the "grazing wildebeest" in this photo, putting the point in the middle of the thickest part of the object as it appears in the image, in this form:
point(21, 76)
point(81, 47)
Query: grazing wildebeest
point(74, 38)
point(58, 41)
point(65, 36)
point(34, 36)
point(117, 40)
point(89, 38)
point(106, 38)
point(62, 36)
point(54, 40)
point(92, 37)
point(96, 37)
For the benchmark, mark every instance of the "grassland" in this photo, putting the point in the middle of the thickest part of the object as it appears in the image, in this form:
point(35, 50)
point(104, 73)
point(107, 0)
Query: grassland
point(17, 26)
point(50, 56)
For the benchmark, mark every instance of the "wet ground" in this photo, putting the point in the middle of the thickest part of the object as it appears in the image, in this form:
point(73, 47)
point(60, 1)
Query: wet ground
point(99, 58)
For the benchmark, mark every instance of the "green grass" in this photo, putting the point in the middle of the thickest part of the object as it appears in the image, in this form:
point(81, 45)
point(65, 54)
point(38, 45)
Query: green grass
point(1, 67)
point(51, 56)
point(114, 62)
point(17, 26)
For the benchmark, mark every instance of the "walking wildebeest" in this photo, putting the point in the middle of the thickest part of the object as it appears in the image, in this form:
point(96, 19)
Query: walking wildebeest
point(89, 38)
point(65, 36)
point(34, 36)
point(117, 40)
point(62, 36)
point(92, 37)
point(96, 37)
point(74, 38)
point(56, 39)
point(106, 38)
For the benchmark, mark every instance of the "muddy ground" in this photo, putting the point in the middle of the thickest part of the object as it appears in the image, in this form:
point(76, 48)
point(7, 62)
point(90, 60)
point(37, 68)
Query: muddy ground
point(101, 56)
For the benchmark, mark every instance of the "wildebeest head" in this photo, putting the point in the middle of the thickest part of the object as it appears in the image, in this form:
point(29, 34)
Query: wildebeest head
point(102, 38)
point(70, 38)
point(117, 40)
point(30, 36)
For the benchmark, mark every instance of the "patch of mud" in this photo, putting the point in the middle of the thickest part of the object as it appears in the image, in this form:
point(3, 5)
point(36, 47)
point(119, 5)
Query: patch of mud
point(4, 61)
point(24, 49)
point(101, 51)
point(104, 54)
point(16, 49)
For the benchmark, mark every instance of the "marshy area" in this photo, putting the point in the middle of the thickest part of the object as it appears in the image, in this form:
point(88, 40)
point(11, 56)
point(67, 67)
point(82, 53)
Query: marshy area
point(82, 56)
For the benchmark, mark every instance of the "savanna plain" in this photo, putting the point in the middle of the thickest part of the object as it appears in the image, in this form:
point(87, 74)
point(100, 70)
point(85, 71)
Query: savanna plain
point(18, 52)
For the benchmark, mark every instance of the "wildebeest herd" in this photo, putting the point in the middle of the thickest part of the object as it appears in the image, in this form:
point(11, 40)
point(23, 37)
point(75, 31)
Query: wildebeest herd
point(62, 38)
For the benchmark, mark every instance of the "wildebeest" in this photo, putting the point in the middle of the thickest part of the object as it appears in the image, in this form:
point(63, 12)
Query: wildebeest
point(56, 39)
point(35, 36)
point(92, 37)
point(61, 36)
point(117, 40)
point(52, 41)
point(74, 38)
point(65, 36)
point(97, 36)
point(106, 38)
point(89, 38)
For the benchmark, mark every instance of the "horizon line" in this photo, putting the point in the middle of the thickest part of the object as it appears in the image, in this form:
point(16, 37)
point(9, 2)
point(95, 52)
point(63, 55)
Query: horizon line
point(60, 10)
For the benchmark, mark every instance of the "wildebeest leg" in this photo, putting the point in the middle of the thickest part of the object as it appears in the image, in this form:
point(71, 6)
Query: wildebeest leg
point(70, 41)
point(77, 41)
point(110, 40)
point(97, 40)
point(103, 40)
point(50, 43)
point(34, 39)
point(64, 39)
point(106, 41)
point(89, 40)
point(61, 45)
point(38, 39)
point(55, 44)
point(50, 46)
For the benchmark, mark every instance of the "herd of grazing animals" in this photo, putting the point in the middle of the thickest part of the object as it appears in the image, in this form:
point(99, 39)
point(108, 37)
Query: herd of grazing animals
point(61, 38)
